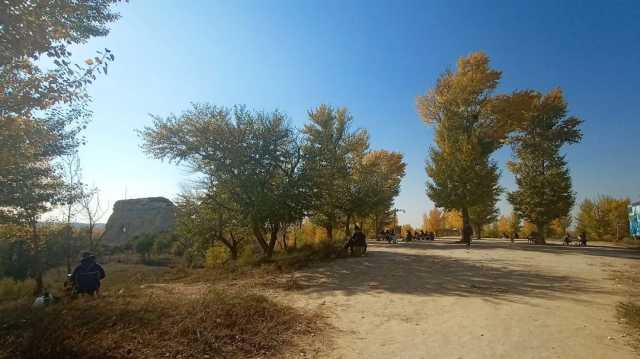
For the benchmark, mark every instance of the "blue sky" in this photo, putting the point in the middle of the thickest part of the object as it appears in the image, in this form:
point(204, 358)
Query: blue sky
point(372, 57)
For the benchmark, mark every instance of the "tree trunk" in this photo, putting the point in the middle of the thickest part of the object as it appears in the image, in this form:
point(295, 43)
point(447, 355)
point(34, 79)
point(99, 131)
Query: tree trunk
point(257, 232)
point(329, 229)
point(37, 260)
point(540, 239)
point(466, 226)
point(478, 230)
point(284, 241)
point(347, 229)
point(233, 251)
point(272, 241)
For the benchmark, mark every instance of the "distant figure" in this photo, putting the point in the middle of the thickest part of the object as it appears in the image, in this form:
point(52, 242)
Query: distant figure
point(87, 275)
point(567, 239)
point(432, 236)
point(583, 239)
point(532, 237)
point(357, 244)
point(513, 237)
point(467, 232)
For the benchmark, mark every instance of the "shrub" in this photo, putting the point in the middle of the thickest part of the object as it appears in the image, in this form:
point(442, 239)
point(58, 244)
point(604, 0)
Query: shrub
point(11, 289)
point(216, 256)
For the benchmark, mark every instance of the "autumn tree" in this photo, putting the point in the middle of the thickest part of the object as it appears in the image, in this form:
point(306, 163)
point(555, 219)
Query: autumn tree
point(604, 218)
point(453, 220)
point(504, 225)
point(515, 223)
point(560, 226)
point(544, 184)
point(434, 221)
point(467, 132)
point(254, 158)
point(333, 153)
point(43, 103)
point(379, 176)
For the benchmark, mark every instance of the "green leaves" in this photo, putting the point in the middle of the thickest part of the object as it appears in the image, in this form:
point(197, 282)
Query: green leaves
point(544, 184)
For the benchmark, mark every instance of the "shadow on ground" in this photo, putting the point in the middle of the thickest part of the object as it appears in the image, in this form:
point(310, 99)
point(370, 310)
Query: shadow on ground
point(396, 271)
point(520, 245)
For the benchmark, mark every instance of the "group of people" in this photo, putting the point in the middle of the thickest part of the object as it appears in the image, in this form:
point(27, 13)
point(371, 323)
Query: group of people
point(391, 237)
point(420, 236)
point(582, 239)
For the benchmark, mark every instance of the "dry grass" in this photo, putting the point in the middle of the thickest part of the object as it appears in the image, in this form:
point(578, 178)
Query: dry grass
point(151, 313)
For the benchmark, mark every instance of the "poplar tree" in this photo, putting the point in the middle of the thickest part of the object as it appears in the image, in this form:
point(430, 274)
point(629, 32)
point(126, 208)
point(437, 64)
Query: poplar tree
point(467, 132)
point(544, 183)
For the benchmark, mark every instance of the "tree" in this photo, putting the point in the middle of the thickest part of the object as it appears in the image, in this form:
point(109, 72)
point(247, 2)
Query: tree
point(33, 31)
point(332, 153)
point(93, 212)
point(434, 221)
point(43, 111)
point(378, 181)
point(504, 225)
point(544, 184)
point(144, 245)
point(560, 226)
point(515, 223)
point(462, 175)
point(71, 197)
point(487, 212)
point(453, 220)
point(604, 218)
point(254, 158)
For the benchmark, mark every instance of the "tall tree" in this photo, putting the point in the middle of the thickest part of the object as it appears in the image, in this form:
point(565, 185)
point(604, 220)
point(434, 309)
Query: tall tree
point(434, 221)
point(332, 153)
point(467, 132)
point(43, 110)
point(544, 184)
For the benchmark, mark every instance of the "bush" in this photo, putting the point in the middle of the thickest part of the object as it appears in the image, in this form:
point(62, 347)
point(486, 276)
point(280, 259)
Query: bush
point(216, 256)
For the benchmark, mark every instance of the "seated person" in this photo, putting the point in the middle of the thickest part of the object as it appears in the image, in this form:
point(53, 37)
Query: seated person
point(87, 275)
point(357, 244)
point(583, 239)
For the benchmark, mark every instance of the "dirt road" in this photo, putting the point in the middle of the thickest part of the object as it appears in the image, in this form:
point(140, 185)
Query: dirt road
point(497, 300)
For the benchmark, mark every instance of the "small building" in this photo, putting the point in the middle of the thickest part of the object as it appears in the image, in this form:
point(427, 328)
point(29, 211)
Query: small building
point(132, 218)
point(634, 219)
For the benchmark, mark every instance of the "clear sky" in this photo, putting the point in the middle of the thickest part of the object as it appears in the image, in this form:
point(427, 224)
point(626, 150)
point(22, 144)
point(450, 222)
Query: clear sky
point(372, 57)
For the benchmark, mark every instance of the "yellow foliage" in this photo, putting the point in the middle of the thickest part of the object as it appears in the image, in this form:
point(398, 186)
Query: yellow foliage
point(216, 256)
point(434, 221)
point(528, 228)
point(504, 225)
point(453, 219)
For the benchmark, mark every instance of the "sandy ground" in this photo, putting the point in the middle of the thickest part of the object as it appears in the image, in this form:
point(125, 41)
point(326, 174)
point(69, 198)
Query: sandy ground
point(496, 300)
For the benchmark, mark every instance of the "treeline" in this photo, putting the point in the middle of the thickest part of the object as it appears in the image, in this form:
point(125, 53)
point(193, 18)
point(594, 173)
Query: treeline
point(260, 178)
point(603, 218)
point(472, 122)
